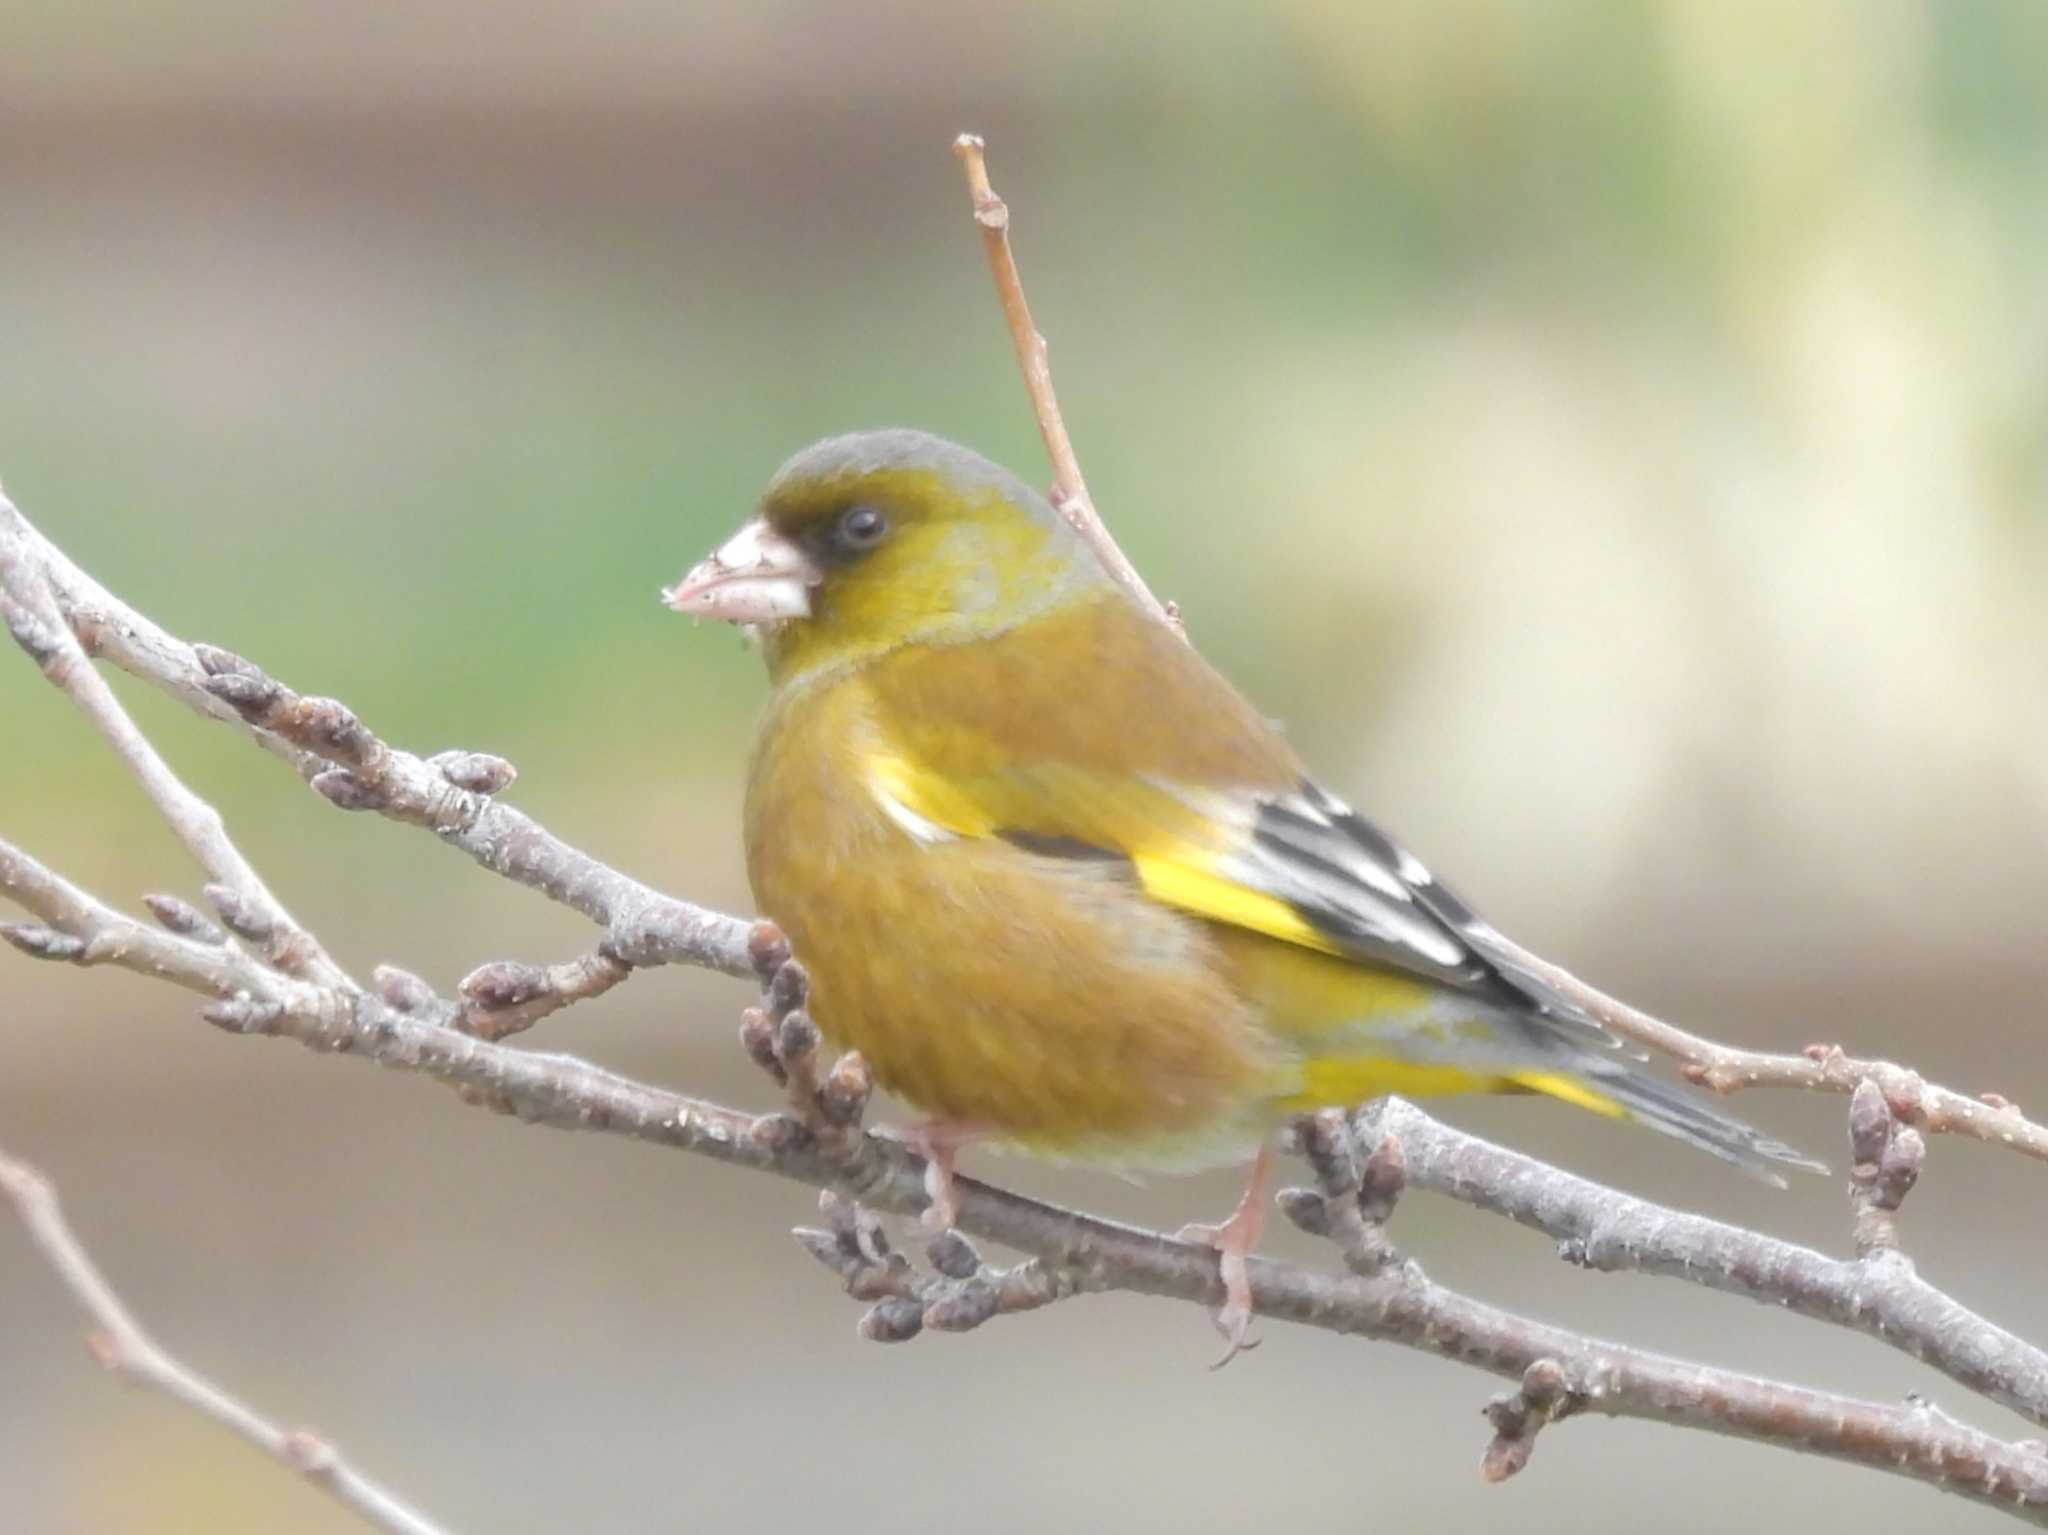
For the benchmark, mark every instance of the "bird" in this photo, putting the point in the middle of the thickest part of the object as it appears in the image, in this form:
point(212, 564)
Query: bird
point(1064, 888)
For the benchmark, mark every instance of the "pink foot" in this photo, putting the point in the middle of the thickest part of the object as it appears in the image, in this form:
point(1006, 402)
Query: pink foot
point(939, 1142)
point(1234, 1241)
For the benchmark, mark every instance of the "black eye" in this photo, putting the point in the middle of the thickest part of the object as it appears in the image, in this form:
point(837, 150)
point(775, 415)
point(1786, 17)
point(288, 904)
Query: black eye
point(860, 528)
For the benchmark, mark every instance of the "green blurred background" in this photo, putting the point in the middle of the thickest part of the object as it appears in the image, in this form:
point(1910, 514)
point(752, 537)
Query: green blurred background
point(1610, 435)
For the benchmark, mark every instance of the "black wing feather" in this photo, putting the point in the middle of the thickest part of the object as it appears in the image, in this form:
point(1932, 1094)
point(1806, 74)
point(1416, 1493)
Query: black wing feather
point(1372, 875)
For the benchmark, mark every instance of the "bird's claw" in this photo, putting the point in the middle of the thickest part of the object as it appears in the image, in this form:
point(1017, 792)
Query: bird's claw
point(939, 1143)
point(1233, 1319)
point(1234, 1240)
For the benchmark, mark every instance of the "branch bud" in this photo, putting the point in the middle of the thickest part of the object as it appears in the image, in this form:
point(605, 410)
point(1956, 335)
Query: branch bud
point(1307, 1209)
point(757, 1037)
point(242, 915)
point(953, 1256)
point(1870, 1129)
point(1384, 1178)
point(963, 1310)
point(896, 1320)
point(1326, 1142)
point(250, 694)
point(39, 942)
point(342, 789)
point(796, 1040)
point(841, 1214)
point(329, 727)
point(401, 988)
point(182, 917)
point(243, 1014)
point(1517, 1416)
point(1899, 1169)
point(216, 662)
point(843, 1096)
point(788, 988)
point(768, 950)
point(504, 983)
point(477, 772)
point(824, 1246)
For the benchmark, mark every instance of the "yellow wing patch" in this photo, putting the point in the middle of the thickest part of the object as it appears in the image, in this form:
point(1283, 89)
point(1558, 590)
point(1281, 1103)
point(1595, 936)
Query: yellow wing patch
point(1130, 818)
point(1189, 887)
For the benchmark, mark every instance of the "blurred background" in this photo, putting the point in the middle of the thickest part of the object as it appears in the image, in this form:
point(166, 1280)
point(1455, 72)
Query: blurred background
point(1609, 434)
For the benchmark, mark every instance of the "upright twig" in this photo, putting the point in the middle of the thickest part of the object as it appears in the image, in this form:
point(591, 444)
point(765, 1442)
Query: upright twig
point(1725, 1069)
point(1069, 491)
point(118, 1341)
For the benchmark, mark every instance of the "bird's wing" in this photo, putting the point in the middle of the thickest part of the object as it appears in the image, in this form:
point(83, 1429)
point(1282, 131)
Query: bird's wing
point(1297, 865)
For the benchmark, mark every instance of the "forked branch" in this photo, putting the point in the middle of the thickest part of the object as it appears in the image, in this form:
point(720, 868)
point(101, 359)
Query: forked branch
point(263, 975)
point(118, 1341)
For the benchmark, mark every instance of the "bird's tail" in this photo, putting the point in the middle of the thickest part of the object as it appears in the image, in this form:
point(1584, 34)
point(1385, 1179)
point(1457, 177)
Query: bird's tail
point(1622, 1092)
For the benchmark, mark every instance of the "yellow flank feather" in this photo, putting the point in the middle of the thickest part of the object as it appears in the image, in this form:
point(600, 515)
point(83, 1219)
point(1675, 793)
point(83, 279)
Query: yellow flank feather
point(1567, 1089)
point(941, 802)
point(1349, 1079)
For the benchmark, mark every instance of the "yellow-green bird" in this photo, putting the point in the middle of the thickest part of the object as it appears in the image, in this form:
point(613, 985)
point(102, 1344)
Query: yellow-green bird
point(1062, 886)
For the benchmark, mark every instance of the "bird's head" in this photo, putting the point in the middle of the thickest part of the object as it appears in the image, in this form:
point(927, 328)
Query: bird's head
point(875, 540)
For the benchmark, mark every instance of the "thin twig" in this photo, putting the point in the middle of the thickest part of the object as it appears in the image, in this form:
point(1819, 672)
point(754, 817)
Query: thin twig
point(1923, 1105)
point(33, 617)
point(119, 1342)
point(509, 996)
point(1069, 491)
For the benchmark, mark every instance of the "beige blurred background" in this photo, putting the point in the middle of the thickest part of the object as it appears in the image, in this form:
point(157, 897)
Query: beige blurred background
point(1610, 435)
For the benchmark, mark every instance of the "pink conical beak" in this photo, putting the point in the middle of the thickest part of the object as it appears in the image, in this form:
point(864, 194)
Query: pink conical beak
point(755, 577)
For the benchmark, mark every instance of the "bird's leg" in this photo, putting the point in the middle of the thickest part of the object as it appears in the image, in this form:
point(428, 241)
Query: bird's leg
point(939, 1141)
point(1234, 1241)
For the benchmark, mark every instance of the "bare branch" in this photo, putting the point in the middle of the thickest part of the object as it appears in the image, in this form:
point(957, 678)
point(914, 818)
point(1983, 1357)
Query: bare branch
point(1921, 1104)
point(1069, 491)
point(118, 1342)
point(1076, 1252)
point(643, 926)
point(33, 617)
point(93, 933)
point(1880, 1295)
